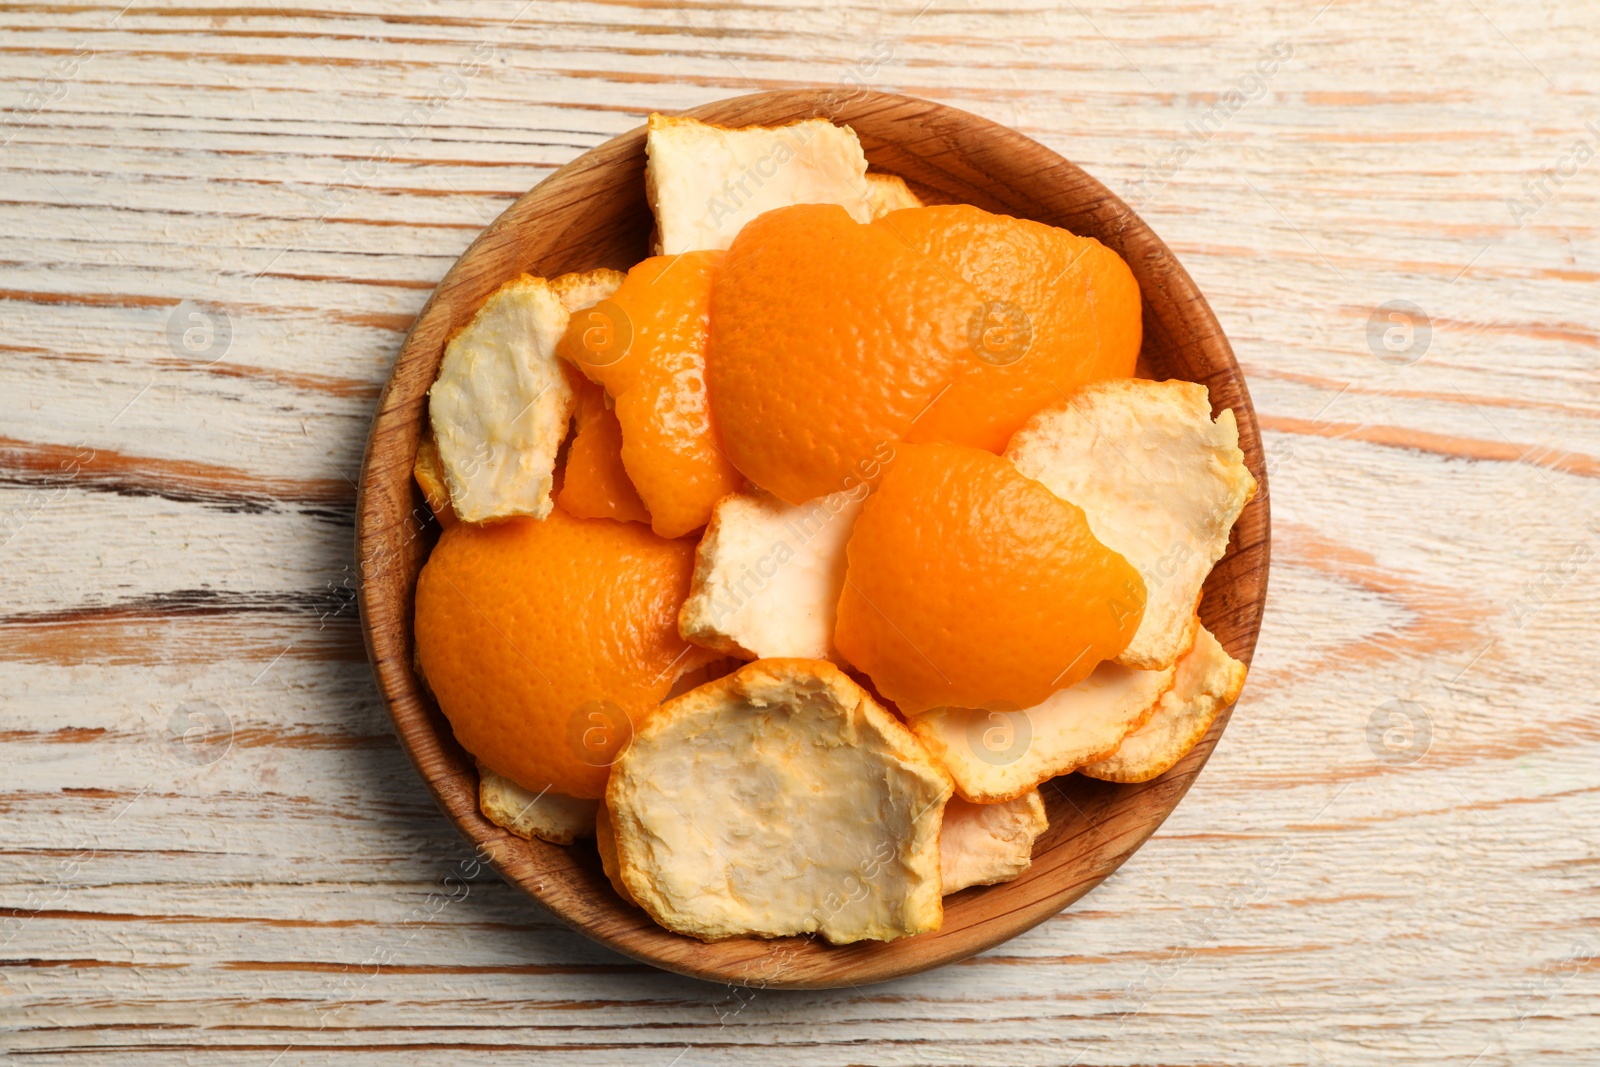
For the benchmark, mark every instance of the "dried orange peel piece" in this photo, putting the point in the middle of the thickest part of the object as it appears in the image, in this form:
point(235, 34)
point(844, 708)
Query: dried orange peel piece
point(501, 404)
point(995, 755)
point(767, 576)
point(546, 641)
point(970, 585)
point(889, 192)
point(705, 182)
point(428, 471)
point(498, 413)
point(646, 346)
point(605, 840)
point(585, 288)
point(546, 815)
point(981, 844)
point(1207, 680)
point(779, 800)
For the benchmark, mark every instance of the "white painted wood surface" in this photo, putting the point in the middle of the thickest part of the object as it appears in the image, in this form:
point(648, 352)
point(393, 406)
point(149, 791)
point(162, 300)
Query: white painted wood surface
point(177, 530)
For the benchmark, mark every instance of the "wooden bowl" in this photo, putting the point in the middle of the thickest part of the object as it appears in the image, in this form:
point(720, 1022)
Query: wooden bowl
point(592, 213)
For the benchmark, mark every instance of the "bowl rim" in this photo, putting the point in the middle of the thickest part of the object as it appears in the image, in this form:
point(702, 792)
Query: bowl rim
point(391, 541)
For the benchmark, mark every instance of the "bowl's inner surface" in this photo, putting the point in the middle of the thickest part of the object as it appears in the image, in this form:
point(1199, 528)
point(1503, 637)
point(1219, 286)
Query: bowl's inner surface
point(593, 213)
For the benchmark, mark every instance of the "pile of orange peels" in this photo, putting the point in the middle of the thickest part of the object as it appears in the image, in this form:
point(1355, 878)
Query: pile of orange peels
point(799, 557)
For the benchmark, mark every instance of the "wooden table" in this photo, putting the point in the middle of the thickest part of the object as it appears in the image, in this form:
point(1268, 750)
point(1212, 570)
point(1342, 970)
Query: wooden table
point(218, 223)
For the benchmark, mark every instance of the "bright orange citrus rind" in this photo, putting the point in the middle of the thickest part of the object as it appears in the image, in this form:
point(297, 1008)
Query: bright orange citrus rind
point(547, 641)
point(594, 483)
point(831, 338)
point(646, 346)
point(968, 585)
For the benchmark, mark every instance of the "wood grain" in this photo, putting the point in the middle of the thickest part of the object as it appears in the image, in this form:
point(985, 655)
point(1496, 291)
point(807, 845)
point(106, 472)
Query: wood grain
point(1315, 899)
point(592, 213)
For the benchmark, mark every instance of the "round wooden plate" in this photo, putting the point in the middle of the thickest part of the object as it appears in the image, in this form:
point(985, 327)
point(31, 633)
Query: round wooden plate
point(592, 213)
